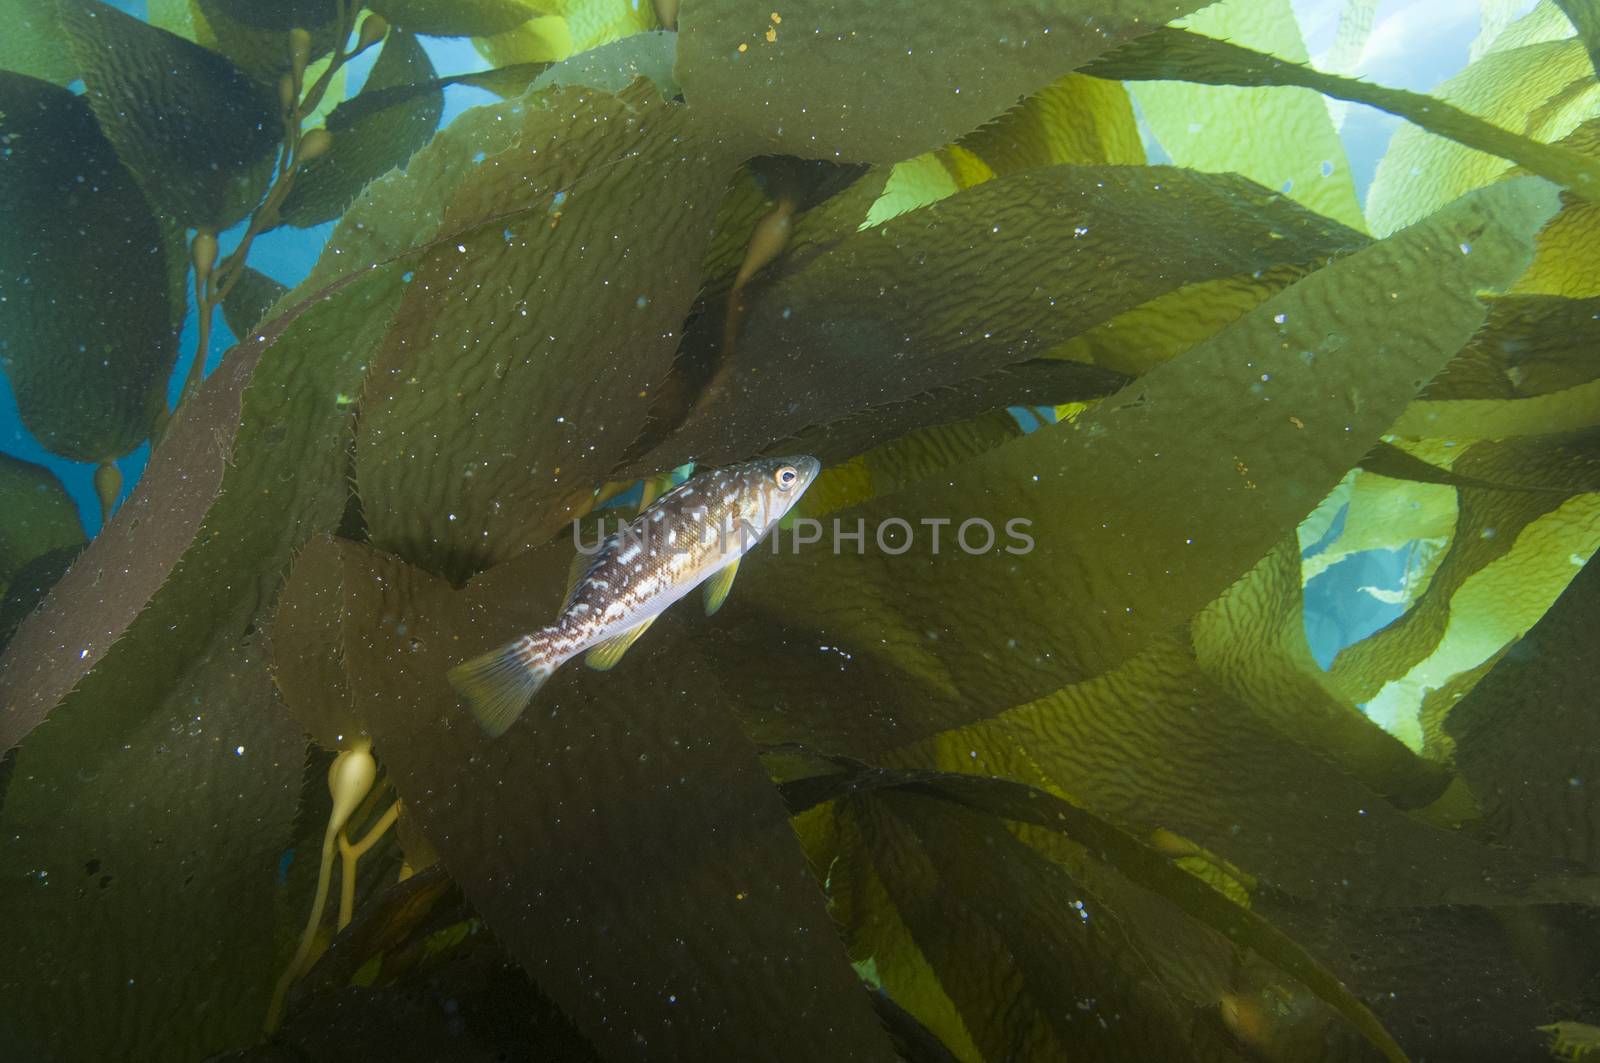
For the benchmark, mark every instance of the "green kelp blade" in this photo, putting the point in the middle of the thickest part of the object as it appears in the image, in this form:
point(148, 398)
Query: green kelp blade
point(261, 52)
point(514, 316)
point(1036, 382)
point(1075, 119)
point(139, 866)
point(1103, 841)
point(991, 276)
point(1134, 506)
point(149, 629)
point(610, 67)
point(1251, 642)
point(307, 648)
point(566, 30)
point(1003, 929)
point(1531, 345)
point(417, 975)
point(380, 141)
point(1540, 90)
point(790, 79)
point(1487, 528)
point(36, 515)
point(197, 133)
point(283, 16)
point(145, 599)
point(87, 302)
point(26, 587)
point(1169, 54)
point(1585, 18)
point(644, 844)
point(1526, 737)
point(32, 43)
point(1283, 138)
point(253, 295)
point(456, 18)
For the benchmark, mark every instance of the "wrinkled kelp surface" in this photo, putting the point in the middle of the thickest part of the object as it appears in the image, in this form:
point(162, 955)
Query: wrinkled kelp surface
point(1094, 799)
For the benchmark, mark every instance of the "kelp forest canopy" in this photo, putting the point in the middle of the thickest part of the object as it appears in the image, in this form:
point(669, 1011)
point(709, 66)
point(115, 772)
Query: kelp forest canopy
point(1094, 801)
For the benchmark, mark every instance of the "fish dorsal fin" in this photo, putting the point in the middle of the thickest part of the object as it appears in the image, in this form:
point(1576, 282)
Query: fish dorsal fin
point(604, 656)
point(718, 586)
point(581, 566)
point(654, 487)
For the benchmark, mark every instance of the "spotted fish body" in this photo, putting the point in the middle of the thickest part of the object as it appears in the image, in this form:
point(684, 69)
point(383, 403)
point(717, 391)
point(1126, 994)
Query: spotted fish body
point(696, 533)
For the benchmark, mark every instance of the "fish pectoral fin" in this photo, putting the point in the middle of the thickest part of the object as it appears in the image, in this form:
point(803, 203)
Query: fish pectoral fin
point(718, 586)
point(605, 655)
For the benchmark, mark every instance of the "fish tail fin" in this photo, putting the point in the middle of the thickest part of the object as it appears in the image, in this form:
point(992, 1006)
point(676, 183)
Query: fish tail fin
point(499, 685)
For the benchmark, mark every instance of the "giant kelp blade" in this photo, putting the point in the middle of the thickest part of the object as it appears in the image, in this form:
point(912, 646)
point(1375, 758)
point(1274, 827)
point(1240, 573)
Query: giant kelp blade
point(515, 316)
point(1282, 139)
point(1540, 90)
point(138, 869)
point(248, 301)
point(1036, 382)
point(281, 15)
point(1512, 553)
point(567, 29)
point(260, 51)
point(36, 515)
point(197, 133)
point(32, 43)
point(381, 140)
point(1134, 505)
point(216, 506)
point(1032, 977)
point(1531, 345)
point(989, 277)
point(638, 864)
point(88, 325)
point(456, 18)
point(1101, 841)
point(1251, 641)
point(1585, 17)
point(1170, 54)
point(793, 79)
point(1526, 736)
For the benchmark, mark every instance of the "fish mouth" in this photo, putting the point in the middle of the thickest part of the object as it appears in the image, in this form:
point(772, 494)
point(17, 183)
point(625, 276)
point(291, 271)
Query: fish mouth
point(808, 467)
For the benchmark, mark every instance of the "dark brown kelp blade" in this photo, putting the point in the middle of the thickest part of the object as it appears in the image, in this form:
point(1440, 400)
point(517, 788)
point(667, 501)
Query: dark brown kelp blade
point(795, 83)
point(638, 864)
point(198, 134)
point(89, 310)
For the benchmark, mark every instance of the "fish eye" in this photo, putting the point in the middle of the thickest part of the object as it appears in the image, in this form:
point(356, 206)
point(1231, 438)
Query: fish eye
point(786, 476)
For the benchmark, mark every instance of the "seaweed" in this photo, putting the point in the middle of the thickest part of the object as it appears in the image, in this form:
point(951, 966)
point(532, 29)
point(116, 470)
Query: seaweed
point(1082, 791)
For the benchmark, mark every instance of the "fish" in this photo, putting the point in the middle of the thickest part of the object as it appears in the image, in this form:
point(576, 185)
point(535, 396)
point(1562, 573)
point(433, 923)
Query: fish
point(694, 534)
